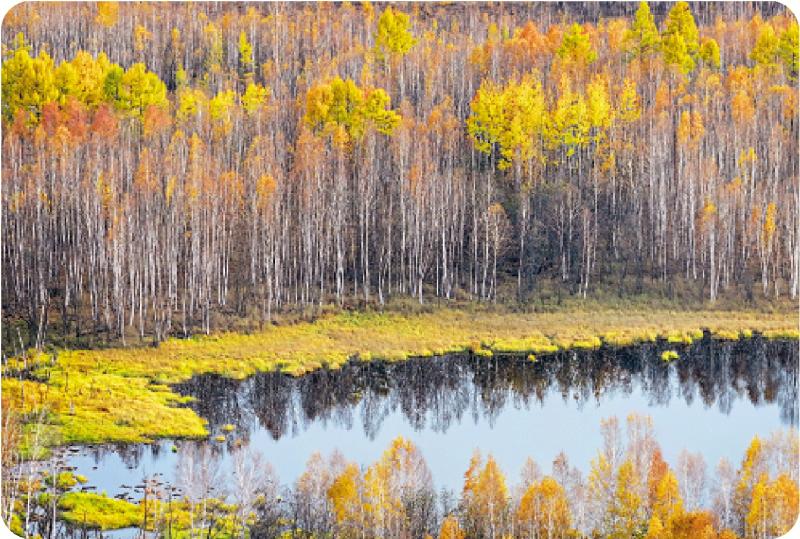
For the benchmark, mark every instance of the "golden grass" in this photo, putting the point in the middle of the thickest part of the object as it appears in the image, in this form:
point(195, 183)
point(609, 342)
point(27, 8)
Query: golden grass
point(122, 394)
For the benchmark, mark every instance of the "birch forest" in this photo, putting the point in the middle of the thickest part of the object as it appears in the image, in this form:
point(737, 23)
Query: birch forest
point(169, 165)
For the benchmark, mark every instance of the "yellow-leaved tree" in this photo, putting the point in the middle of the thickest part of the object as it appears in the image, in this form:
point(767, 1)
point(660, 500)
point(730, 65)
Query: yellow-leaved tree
point(254, 98)
point(544, 510)
point(398, 490)
point(394, 37)
point(680, 40)
point(642, 39)
point(576, 47)
point(508, 120)
point(568, 126)
point(627, 507)
point(137, 88)
point(345, 494)
point(28, 82)
point(343, 104)
point(485, 498)
point(450, 529)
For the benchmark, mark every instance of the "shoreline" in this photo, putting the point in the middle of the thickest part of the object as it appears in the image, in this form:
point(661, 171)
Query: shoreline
point(79, 388)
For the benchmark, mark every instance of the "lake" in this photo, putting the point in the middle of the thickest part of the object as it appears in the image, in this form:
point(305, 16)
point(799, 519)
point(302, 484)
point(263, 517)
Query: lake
point(712, 400)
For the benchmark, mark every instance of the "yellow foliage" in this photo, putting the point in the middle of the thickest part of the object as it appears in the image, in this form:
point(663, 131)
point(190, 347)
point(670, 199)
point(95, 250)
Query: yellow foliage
point(191, 102)
point(485, 494)
point(450, 529)
point(394, 34)
point(769, 222)
point(345, 497)
point(254, 98)
point(219, 107)
point(601, 114)
point(747, 156)
point(141, 36)
point(743, 108)
point(265, 187)
point(544, 509)
point(629, 103)
point(774, 507)
point(568, 125)
point(341, 103)
point(708, 212)
point(107, 14)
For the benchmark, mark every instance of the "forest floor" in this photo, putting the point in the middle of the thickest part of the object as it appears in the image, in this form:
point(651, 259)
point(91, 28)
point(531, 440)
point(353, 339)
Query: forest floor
point(123, 394)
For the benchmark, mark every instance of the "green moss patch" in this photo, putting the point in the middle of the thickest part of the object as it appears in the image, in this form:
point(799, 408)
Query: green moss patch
point(98, 511)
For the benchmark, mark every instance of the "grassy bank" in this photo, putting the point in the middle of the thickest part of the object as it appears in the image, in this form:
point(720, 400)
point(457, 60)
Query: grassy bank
point(122, 395)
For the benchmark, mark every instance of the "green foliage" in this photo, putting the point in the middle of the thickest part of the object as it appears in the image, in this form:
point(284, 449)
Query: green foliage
point(394, 35)
point(765, 51)
point(709, 53)
point(28, 83)
point(676, 53)
point(138, 89)
point(98, 511)
point(643, 39)
point(509, 118)
point(681, 21)
point(576, 47)
point(111, 83)
point(66, 80)
point(680, 40)
point(342, 104)
point(789, 51)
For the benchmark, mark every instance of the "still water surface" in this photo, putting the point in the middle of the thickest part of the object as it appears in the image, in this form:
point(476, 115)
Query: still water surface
point(712, 400)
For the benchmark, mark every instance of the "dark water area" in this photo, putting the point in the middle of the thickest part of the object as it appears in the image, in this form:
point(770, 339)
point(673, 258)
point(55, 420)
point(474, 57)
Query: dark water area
point(712, 400)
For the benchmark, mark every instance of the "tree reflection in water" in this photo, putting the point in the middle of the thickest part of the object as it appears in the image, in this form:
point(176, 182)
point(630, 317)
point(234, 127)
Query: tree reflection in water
point(433, 393)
